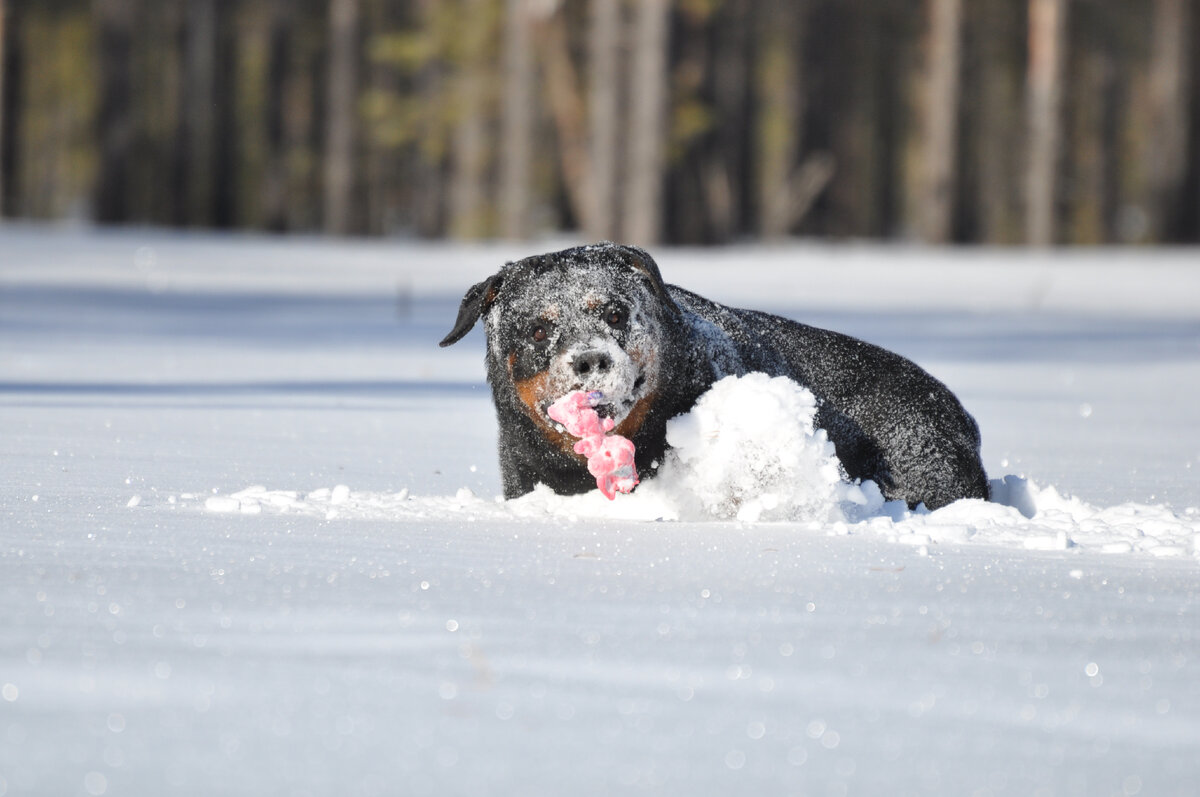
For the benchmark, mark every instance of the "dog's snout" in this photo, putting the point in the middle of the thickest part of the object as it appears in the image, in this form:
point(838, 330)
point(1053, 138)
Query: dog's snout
point(591, 363)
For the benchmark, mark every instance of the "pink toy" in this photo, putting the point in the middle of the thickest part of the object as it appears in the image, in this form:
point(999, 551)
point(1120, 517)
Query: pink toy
point(610, 457)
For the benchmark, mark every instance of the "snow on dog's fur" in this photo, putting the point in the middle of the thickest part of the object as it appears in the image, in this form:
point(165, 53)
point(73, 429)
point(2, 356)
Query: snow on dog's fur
point(600, 318)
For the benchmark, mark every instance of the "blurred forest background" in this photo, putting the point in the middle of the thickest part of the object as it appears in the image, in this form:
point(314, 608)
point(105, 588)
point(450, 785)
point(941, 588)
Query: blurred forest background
point(684, 121)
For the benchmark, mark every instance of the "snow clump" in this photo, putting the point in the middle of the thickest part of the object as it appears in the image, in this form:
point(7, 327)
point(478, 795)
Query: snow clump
point(750, 450)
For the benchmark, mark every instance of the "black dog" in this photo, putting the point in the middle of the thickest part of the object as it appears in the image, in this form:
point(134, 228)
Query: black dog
point(600, 318)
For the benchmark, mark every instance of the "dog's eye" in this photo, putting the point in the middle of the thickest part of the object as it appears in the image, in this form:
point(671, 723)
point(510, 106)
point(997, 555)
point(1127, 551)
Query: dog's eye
point(538, 333)
point(614, 317)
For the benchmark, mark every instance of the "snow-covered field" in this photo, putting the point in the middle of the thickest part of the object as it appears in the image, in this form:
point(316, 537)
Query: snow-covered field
point(249, 542)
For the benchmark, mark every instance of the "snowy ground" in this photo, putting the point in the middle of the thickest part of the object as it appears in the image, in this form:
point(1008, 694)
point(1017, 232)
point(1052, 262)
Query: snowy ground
point(248, 542)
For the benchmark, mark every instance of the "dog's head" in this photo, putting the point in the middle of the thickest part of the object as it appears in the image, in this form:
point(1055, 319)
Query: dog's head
point(591, 318)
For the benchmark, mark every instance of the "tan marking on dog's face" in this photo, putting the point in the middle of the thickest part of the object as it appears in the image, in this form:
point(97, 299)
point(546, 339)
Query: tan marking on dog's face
point(534, 393)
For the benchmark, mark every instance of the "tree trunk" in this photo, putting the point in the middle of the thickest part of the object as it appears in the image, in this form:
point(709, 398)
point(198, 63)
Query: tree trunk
point(225, 120)
point(274, 197)
point(469, 145)
point(941, 119)
point(1189, 205)
point(194, 145)
point(341, 107)
point(392, 186)
point(4, 109)
point(862, 134)
point(114, 23)
point(1167, 143)
point(641, 221)
point(567, 108)
point(727, 173)
point(468, 193)
point(1090, 216)
point(1047, 45)
point(998, 199)
point(604, 44)
point(779, 116)
point(518, 122)
point(10, 84)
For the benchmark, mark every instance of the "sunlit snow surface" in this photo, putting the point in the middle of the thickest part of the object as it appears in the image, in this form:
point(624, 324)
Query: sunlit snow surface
point(250, 543)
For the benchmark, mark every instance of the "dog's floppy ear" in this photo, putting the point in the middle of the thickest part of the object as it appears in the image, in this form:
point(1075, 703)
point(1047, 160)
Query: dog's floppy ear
point(641, 262)
point(475, 303)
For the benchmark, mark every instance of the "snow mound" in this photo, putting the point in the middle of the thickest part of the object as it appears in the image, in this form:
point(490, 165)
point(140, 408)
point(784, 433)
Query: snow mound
point(749, 452)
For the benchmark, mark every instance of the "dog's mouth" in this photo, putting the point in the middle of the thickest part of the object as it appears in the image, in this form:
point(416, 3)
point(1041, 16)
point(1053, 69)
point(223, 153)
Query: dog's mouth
point(618, 410)
point(608, 409)
point(615, 409)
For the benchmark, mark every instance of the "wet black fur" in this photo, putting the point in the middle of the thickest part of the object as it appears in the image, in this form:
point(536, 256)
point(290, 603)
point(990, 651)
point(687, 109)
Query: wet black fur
point(889, 420)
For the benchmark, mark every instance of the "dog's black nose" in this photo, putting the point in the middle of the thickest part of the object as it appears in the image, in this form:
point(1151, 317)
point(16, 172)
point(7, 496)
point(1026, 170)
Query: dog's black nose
point(591, 362)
